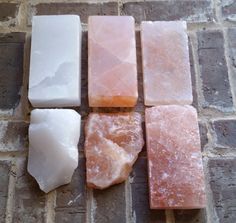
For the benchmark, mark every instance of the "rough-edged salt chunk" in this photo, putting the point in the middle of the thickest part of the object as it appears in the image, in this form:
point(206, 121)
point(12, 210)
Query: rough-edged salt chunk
point(55, 62)
point(112, 144)
point(53, 153)
point(176, 178)
point(165, 59)
point(112, 71)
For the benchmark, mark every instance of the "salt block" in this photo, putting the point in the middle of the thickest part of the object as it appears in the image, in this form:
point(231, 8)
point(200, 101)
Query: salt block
point(55, 61)
point(176, 179)
point(166, 67)
point(53, 153)
point(112, 71)
point(112, 144)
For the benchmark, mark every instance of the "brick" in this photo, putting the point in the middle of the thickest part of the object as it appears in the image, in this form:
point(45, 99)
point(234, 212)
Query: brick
point(228, 9)
point(13, 136)
point(190, 216)
point(4, 176)
point(8, 11)
point(82, 9)
point(232, 55)
point(29, 200)
point(11, 69)
point(110, 205)
point(214, 71)
point(73, 195)
point(223, 185)
point(225, 132)
point(140, 197)
point(192, 11)
point(203, 134)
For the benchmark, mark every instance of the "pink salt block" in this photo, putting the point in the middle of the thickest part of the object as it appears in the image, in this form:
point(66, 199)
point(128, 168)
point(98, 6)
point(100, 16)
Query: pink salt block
point(112, 144)
point(112, 71)
point(165, 59)
point(176, 179)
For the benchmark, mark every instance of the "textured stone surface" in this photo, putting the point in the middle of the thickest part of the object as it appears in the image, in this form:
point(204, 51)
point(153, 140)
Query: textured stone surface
point(13, 136)
point(190, 216)
point(5, 167)
point(228, 9)
point(112, 144)
point(192, 11)
point(203, 134)
point(176, 179)
point(53, 152)
point(214, 71)
point(223, 185)
point(55, 69)
point(232, 56)
point(29, 202)
point(110, 205)
point(71, 198)
point(167, 77)
point(82, 9)
point(11, 69)
point(141, 213)
point(112, 79)
point(8, 11)
point(225, 132)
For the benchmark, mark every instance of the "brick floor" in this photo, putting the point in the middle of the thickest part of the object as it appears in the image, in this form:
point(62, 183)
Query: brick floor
point(212, 38)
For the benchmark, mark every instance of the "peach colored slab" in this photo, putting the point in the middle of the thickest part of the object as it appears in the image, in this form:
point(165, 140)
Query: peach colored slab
point(112, 70)
point(176, 179)
point(112, 145)
point(165, 59)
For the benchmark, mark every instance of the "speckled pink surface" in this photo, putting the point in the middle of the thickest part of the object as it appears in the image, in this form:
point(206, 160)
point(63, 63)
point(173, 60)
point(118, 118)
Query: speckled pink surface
point(176, 179)
point(112, 66)
point(165, 59)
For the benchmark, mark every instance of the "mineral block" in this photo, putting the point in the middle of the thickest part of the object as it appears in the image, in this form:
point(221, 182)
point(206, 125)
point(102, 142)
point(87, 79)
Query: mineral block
point(53, 152)
point(112, 71)
point(112, 144)
point(55, 61)
point(165, 59)
point(176, 179)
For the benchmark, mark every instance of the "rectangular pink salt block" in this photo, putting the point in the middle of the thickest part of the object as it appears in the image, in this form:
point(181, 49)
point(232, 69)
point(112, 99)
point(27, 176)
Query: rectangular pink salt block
point(165, 59)
point(112, 66)
point(176, 179)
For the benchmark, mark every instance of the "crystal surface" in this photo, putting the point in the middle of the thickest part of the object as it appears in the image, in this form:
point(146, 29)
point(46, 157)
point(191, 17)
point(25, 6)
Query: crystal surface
point(55, 61)
point(176, 179)
point(112, 71)
point(53, 152)
point(165, 59)
point(112, 145)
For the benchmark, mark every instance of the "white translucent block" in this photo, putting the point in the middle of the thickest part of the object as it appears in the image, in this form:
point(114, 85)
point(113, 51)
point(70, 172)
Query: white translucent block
point(55, 63)
point(53, 153)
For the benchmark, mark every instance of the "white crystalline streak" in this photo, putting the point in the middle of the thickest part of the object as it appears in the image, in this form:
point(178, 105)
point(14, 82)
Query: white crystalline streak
point(55, 63)
point(53, 153)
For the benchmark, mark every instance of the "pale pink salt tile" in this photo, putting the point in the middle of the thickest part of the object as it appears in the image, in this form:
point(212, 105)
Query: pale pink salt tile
point(176, 179)
point(112, 68)
point(112, 145)
point(165, 59)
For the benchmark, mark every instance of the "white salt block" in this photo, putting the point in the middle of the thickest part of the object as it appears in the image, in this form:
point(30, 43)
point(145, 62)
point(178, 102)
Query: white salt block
point(53, 154)
point(55, 63)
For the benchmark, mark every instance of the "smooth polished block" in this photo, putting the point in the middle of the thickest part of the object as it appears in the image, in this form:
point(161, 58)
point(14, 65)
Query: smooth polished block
point(55, 61)
point(112, 66)
point(176, 179)
point(53, 153)
point(112, 145)
point(165, 60)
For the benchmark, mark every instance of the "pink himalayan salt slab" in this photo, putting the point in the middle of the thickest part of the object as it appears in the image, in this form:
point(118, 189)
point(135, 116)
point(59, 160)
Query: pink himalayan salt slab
point(112, 144)
point(176, 179)
point(112, 71)
point(165, 59)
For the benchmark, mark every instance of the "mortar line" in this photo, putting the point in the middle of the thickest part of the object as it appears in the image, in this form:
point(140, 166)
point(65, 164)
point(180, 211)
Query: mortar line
point(90, 206)
point(50, 206)
point(128, 201)
point(170, 217)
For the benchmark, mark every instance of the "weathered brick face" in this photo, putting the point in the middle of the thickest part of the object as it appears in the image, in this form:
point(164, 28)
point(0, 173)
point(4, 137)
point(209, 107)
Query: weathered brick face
point(212, 45)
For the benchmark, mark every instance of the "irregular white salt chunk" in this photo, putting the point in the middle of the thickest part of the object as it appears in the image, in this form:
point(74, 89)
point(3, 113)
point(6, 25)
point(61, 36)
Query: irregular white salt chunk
point(55, 61)
point(53, 153)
